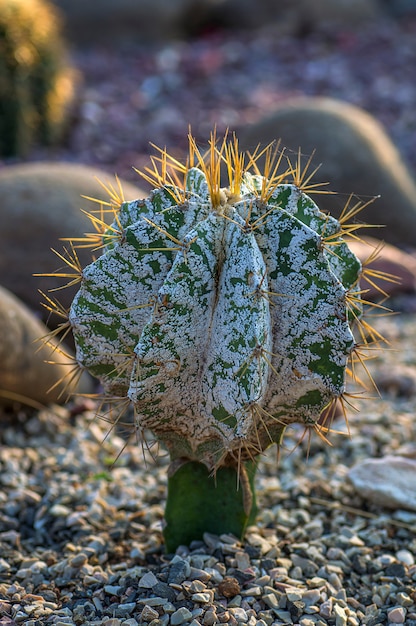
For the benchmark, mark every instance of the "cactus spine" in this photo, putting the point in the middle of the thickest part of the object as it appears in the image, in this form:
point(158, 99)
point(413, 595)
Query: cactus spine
point(222, 314)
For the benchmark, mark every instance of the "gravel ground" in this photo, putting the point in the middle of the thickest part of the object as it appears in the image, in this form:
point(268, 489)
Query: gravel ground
point(81, 543)
point(80, 540)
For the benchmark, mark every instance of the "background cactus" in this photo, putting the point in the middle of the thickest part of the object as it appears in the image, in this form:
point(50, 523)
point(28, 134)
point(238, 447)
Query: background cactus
point(222, 315)
point(36, 81)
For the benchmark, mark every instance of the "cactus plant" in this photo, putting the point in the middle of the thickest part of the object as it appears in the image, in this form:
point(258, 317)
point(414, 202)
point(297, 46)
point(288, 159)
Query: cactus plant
point(37, 84)
point(223, 314)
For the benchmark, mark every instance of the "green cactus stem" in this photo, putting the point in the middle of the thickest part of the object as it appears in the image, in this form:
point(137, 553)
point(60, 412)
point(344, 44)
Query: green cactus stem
point(223, 314)
point(212, 510)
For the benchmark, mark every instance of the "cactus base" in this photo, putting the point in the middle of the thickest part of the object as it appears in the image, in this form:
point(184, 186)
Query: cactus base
point(197, 502)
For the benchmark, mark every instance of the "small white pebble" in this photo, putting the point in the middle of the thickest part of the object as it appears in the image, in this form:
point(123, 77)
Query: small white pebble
point(113, 590)
point(270, 600)
point(262, 581)
point(386, 559)
point(243, 560)
point(239, 614)
point(406, 557)
point(148, 580)
point(251, 592)
point(340, 615)
point(403, 599)
point(148, 613)
point(294, 595)
point(397, 615)
point(197, 586)
point(78, 560)
point(59, 510)
point(202, 598)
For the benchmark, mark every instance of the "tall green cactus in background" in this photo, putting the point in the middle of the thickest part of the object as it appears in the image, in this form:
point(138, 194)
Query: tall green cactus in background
point(37, 84)
point(222, 314)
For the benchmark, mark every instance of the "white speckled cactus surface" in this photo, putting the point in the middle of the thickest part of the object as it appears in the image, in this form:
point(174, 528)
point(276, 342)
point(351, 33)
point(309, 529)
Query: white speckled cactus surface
point(222, 313)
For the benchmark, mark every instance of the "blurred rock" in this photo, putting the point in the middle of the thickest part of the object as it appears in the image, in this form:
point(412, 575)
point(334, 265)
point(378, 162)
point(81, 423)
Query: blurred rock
point(39, 204)
point(25, 375)
point(296, 16)
point(396, 380)
point(357, 157)
point(399, 8)
point(389, 481)
point(387, 259)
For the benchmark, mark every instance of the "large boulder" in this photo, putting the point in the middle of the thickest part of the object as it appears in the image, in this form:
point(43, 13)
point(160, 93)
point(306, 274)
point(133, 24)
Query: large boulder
point(26, 375)
point(295, 16)
point(389, 481)
point(39, 204)
point(357, 157)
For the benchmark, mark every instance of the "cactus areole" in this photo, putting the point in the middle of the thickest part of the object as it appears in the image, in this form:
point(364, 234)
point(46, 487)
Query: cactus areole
point(223, 314)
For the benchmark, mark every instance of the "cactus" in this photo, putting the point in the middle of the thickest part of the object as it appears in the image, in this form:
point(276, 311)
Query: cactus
point(223, 315)
point(36, 83)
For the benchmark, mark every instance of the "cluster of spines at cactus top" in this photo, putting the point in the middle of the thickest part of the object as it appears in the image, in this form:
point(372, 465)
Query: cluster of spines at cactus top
point(222, 314)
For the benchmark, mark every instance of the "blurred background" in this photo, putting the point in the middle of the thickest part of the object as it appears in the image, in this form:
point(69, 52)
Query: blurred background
point(147, 69)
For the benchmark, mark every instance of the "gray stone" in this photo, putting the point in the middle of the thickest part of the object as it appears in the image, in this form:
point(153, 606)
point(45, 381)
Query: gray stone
point(201, 598)
point(153, 601)
point(356, 155)
point(178, 571)
point(180, 616)
point(148, 613)
point(164, 591)
point(126, 609)
point(148, 580)
point(26, 375)
point(389, 481)
point(239, 614)
point(40, 203)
